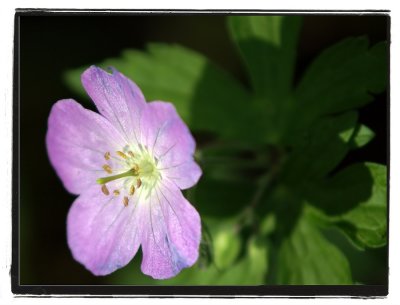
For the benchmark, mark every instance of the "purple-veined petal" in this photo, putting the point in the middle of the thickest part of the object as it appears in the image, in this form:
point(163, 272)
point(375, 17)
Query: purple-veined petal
point(164, 133)
point(117, 98)
point(172, 232)
point(184, 174)
point(102, 233)
point(168, 138)
point(77, 140)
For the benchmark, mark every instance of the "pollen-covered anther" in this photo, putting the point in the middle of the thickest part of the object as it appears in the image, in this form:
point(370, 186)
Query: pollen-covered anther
point(126, 201)
point(107, 155)
point(122, 155)
point(116, 193)
point(138, 183)
point(107, 168)
point(131, 190)
point(104, 189)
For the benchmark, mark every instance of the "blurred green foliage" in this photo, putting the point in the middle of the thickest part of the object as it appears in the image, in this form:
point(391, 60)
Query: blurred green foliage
point(270, 189)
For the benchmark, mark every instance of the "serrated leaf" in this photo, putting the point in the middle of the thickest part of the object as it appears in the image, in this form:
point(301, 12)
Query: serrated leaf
point(342, 192)
point(268, 46)
point(340, 79)
point(321, 149)
point(207, 98)
point(366, 224)
point(307, 258)
point(355, 201)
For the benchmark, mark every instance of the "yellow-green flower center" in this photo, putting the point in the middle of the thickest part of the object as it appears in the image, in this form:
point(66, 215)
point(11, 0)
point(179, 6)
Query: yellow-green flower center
point(138, 169)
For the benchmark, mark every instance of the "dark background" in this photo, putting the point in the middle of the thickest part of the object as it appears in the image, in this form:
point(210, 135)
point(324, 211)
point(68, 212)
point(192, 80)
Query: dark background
point(50, 45)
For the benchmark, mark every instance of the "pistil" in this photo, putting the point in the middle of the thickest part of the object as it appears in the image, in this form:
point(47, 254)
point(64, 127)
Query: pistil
point(130, 173)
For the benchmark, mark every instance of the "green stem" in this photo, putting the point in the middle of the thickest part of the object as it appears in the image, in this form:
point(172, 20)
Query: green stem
point(264, 183)
point(128, 173)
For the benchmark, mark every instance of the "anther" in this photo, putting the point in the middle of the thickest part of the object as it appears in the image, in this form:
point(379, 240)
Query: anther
point(116, 192)
point(126, 201)
point(138, 183)
point(107, 155)
point(131, 154)
point(104, 189)
point(135, 167)
point(107, 168)
point(131, 190)
point(122, 155)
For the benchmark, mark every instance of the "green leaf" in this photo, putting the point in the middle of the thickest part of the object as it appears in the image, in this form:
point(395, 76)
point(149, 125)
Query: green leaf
point(355, 201)
point(342, 192)
point(252, 269)
point(268, 224)
point(366, 224)
point(206, 251)
point(362, 136)
point(72, 79)
point(307, 258)
point(340, 79)
point(268, 46)
point(235, 161)
point(207, 98)
point(226, 243)
point(216, 198)
point(320, 149)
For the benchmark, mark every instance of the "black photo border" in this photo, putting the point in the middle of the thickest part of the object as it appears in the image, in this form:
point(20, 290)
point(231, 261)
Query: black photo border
point(358, 291)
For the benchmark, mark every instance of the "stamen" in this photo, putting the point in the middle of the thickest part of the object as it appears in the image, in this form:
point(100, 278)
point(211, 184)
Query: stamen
point(122, 155)
point(126, 201)
point(132, 190)
point(140, 171)
point(104, 189)
point(107, 168)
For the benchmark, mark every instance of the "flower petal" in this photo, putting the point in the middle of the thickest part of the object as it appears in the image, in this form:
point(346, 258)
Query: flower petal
point(117, 98)
point(102, 233)
point(184, 174)
point(76, 141)
point(166, 136)
point(164, 133)
point(171, 235)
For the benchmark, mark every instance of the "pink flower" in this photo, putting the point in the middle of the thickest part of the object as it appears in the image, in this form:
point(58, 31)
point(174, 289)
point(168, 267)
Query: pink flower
point(128, 165)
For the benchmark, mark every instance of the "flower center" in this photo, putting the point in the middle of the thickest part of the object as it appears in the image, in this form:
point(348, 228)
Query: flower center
point(139, 170)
